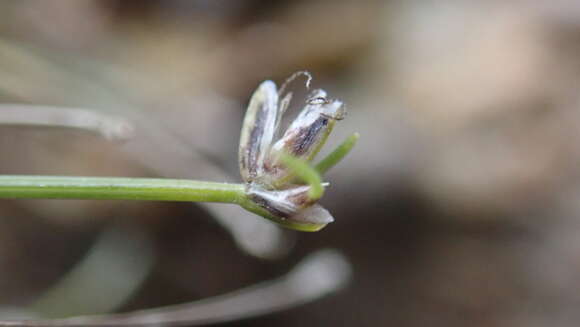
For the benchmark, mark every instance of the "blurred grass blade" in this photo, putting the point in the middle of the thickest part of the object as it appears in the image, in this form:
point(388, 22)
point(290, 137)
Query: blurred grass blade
point(110, 127)
point(317, 275)
point(104, 279)
point(337, 155)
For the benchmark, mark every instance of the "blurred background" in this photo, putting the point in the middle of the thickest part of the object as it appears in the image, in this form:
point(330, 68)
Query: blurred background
point(458, 207)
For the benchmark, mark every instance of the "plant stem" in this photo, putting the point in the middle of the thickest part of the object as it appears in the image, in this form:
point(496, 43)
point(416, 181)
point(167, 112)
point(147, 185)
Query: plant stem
point(337, 155)
point(118, 188)
point(121, 188)
point(301, 169)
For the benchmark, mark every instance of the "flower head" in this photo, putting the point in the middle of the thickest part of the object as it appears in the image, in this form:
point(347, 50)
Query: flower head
point(271, 181)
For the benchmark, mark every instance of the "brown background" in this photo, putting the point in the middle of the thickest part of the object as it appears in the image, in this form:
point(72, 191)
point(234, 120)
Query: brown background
point(459, 207)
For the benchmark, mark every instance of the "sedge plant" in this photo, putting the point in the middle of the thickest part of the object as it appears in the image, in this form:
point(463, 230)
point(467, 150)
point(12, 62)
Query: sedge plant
point(279, 181)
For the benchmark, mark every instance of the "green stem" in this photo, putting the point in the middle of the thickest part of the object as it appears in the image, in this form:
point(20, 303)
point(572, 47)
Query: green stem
point(337, 155)
point(118, 188)
point(121, 188)
point(301, 169)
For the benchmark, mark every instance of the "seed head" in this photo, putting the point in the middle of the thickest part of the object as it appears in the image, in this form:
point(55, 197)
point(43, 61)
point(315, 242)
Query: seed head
point(271, 183)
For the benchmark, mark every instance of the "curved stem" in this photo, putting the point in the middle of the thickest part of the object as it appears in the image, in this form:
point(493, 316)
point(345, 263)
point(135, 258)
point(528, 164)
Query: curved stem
point(118, 188)
point(301, 169)
point(263, 298)
point(338, 154)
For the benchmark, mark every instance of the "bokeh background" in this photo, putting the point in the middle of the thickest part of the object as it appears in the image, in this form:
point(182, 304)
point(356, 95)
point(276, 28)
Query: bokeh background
point(459, 206)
